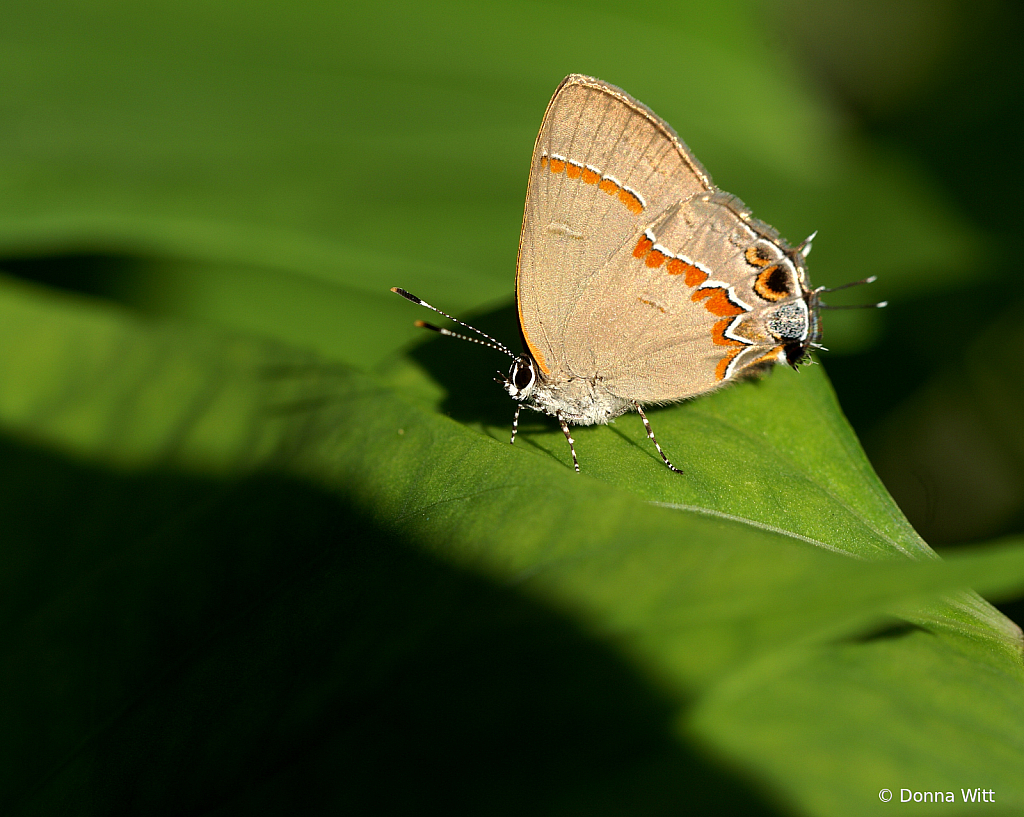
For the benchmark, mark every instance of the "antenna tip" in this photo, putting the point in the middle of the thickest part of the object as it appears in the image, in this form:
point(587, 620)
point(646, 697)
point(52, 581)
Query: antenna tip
point(881, 304)
point(871, 279)
point(407, 295)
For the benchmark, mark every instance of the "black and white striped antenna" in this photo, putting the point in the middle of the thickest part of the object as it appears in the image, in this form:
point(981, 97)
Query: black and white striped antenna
point(490, 343)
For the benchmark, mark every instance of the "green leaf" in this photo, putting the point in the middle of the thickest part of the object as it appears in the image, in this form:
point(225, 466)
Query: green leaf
point(279, 453)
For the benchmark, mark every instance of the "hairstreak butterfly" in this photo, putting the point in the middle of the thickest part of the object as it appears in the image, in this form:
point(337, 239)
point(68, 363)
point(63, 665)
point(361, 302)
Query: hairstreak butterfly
point(639, 282)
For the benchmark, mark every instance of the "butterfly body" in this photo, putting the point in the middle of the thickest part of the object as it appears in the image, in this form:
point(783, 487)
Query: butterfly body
point(579, 400)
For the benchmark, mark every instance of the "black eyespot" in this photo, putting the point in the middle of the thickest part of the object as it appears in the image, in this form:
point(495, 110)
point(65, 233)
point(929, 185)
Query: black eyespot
point(773, 283)
point(523, 375)
point(757, 256)
point(778, 281)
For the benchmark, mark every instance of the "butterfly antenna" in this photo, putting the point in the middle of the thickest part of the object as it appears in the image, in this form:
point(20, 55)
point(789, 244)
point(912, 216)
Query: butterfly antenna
point(493, 344)
point(869, 280)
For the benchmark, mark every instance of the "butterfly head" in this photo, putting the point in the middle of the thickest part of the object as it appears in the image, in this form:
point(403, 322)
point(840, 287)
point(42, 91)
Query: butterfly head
point(521, 379)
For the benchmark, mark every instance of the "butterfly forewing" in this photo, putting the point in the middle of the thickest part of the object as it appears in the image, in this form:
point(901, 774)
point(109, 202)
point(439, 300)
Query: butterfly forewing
point(604, 167)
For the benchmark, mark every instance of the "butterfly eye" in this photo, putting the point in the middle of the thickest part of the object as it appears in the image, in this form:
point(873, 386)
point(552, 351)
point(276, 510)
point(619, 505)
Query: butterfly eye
point(522, 373)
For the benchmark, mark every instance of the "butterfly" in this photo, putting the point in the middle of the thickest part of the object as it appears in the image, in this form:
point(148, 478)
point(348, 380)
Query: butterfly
point(638, 281)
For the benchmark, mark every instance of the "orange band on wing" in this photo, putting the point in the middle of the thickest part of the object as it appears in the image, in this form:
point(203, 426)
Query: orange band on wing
point(643, 246)
point(718, 334)
point(718, 302)
point(693, 275)
point(723, 364)
point(655, 258)
point(631, 199)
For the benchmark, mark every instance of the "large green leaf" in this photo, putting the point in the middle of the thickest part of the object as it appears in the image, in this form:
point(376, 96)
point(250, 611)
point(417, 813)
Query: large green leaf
point(255, 500)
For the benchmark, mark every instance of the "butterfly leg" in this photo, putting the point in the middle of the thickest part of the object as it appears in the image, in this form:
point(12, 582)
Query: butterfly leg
point(570, 440)
point(515, 424)
point(650, 436)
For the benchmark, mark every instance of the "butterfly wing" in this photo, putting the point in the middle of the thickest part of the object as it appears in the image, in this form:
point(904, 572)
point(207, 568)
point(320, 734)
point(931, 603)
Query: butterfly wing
point(603, 165)
point(634, 270)
point(702, 294)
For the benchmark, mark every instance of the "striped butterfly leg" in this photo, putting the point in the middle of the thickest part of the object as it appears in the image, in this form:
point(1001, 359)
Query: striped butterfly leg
point(650, 436)
point(565, 431)
point(570, 440)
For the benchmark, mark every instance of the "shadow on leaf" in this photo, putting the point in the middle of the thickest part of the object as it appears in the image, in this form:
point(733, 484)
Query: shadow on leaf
point(187, 645)
point(99, 273)
point(466, 371)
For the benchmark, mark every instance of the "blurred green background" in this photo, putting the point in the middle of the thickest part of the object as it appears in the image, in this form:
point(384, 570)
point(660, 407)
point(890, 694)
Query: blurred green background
point(269, 170)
